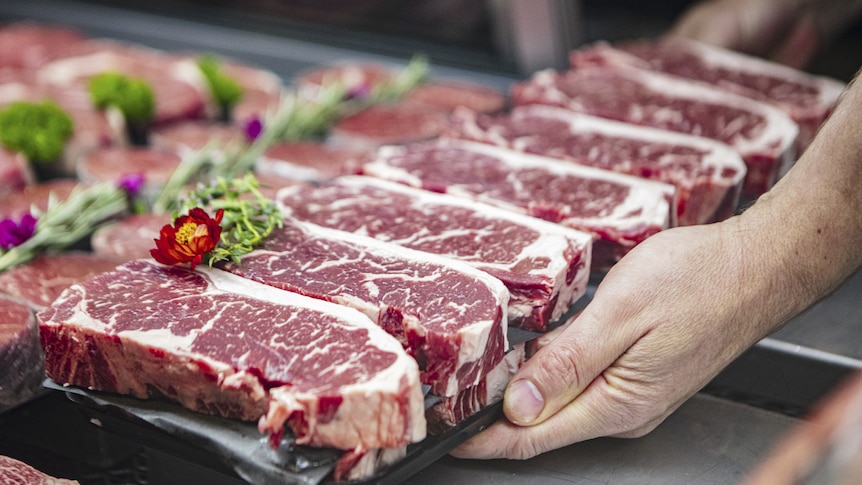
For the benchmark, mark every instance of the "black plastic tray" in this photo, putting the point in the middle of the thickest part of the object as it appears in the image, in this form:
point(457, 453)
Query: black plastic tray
point(238, 450)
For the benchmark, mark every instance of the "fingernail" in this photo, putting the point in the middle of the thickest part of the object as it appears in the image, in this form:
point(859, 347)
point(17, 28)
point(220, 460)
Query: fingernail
point(525, 402)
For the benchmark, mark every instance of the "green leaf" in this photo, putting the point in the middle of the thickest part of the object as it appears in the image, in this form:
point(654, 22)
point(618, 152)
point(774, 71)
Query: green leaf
point(224, 89)
point(132, 96)
point(37, 130)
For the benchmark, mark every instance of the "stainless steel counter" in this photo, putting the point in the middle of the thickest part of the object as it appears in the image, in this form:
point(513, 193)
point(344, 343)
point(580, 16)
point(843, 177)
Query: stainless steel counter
point(833, 325)
point(714, 438)
point(707, 441)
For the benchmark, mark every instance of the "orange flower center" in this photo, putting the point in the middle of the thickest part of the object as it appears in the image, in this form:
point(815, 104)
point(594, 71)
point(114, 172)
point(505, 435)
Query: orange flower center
point(186, 232)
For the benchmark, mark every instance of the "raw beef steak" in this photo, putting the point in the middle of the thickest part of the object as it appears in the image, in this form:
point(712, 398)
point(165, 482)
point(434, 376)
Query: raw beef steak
point(20, 355)
point(30, 45)
point(451, 411)
point(707, 174)
point(351, 75)
point(130, 238)
point(448, 95)
point(545, 266)
point(175, 98)
point(808, 99)
point(308, 160)
point(387, 124)
point(186, 137)
point(42, 280)
point(449, 316)
point(220, 344)
point(17, 202)
point(619, 211)
point(762, 134)
point(112, 164)
point(15, 472)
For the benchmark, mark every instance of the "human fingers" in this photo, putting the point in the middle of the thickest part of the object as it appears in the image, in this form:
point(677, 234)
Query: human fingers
point(562, 369)
point(609, 406)
point(645, 343)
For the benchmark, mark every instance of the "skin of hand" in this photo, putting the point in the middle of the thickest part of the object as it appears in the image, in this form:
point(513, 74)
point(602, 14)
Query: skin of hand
point(684, 303)
point(786, 31)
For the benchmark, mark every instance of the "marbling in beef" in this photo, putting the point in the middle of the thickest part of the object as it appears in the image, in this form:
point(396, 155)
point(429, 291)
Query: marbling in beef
point(129, 238)
point(448, 95)
point(220, 344)
point(449, 316)
point(764, 135)
point(450, 411)
point(620, 211)
point(176, 98)
point(16, 472)
point(807, 98)
point(707, 174)
point(545, 266)
point(42, 280)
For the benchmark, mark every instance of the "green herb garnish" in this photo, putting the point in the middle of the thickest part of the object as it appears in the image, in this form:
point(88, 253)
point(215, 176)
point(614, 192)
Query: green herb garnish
point(65, 223)
point(226, 92)
point(297, 118)
point(39, 131)
point(133, 97)
point(249, 217)
point(414, 74)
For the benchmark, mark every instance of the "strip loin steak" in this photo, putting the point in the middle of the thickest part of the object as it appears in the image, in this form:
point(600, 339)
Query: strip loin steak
point(764, 135)
point(707, 174)
point(224, 345)
point(808, 99)
point(620, 211)
point(545, 266)
point(449, 316)
point(40, 281)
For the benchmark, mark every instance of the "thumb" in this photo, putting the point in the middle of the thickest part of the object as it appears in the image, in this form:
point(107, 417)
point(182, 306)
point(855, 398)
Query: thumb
point(560, 371)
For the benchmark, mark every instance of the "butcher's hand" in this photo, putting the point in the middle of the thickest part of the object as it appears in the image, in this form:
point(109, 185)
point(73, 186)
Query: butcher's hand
point(786, 31)
point(662, 323)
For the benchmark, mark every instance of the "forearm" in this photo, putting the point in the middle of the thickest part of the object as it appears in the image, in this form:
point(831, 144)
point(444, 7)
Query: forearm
point(805, 235)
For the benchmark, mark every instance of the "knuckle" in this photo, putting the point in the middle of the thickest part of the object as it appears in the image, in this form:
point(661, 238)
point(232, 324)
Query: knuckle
point(523, 447)
point(558, 366)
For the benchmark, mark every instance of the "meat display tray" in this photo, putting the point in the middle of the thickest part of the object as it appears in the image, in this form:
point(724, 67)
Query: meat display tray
point(241, 448)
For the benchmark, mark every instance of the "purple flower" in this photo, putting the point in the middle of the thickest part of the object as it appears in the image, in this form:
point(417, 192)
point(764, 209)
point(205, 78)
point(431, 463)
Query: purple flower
point(358, 91)
point(15, 233)
point(131, 183)
point(253, 128)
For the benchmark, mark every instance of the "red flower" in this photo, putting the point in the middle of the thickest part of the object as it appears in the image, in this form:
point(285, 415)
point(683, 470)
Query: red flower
point(189, 239)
